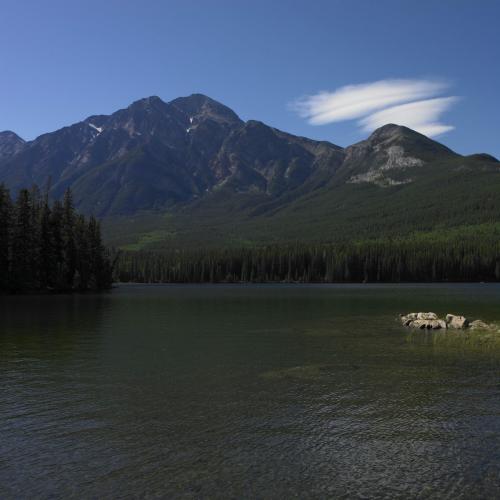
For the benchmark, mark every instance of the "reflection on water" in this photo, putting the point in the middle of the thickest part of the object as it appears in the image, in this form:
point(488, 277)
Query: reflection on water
point(248, 391)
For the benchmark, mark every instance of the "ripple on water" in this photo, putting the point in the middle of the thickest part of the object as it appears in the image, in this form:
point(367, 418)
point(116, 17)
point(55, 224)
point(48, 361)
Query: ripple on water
point(251, 392)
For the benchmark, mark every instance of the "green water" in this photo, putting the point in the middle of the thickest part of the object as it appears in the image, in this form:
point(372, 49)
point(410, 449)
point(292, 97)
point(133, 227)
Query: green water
point(248, 392)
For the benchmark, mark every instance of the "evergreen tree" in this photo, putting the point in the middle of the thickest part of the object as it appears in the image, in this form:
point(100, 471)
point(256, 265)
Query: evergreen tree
point(22, 244)
point(44, 247)
point(68, 240)
point(56, 218)
point(47, 258)
point(82, 254)
point(5, 230)
point(96, 252)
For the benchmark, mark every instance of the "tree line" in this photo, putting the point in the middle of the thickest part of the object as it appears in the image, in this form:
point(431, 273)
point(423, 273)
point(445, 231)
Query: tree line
point(412, 259)
point(49, 246)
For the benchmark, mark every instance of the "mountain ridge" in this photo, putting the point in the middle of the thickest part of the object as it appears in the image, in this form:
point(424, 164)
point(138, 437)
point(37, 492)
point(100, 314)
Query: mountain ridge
point(190, 140)
point(195, 159)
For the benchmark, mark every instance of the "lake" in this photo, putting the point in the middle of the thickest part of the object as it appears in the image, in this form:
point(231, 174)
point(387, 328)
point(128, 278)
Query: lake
point(249, 391)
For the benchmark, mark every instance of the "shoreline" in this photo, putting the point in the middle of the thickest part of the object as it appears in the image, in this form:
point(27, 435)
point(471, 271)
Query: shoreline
point(302, 283)
point(249, 284)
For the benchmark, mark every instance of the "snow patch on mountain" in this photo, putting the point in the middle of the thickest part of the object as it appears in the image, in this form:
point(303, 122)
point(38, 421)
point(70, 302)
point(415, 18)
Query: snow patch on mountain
point(99, 129)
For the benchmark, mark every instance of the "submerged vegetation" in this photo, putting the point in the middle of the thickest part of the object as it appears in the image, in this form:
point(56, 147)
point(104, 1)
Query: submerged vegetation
point(49, 246)
point(414, 259)
point(450, 341)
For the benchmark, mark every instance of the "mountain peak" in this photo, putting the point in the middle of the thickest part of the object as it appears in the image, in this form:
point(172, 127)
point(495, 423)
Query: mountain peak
point(195, 98)
point(201, 105)
point(392, 134)
point(9, 135)
point(391, 131)
point(148, 102)
point(484, 157)
point(10, 143)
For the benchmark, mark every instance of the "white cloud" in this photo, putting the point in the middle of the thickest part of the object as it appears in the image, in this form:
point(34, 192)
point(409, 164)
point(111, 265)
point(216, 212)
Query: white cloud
point(421, 116)
point(406, 102)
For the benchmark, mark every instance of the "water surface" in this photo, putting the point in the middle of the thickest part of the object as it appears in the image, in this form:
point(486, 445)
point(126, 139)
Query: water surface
point(233, 391)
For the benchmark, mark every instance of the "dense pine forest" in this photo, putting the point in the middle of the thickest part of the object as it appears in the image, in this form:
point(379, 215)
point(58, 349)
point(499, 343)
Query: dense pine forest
point(49, 246)
point(413, 259)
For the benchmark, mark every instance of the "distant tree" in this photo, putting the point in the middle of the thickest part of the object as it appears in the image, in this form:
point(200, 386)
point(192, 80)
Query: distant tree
point(419, 258)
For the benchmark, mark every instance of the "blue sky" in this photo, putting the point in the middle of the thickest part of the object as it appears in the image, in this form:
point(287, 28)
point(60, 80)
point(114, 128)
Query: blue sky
point(62, 61)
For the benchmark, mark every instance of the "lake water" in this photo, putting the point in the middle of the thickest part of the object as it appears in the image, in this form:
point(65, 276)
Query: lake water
point(233, 391)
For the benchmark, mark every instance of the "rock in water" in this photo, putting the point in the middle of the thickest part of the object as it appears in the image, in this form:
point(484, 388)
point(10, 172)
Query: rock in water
point(428, 315)
point(428, 324)
point(418, 315)
point(423, 321)
point(457, 321)
point(431, 321)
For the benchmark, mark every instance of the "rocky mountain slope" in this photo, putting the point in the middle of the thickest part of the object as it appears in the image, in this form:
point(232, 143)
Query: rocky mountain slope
point(155, 154)
point(192, 170)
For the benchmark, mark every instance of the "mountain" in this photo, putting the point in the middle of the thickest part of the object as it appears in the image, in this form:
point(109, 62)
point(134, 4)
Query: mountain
point(155, 154)
point(10, 144)
point(191, 171)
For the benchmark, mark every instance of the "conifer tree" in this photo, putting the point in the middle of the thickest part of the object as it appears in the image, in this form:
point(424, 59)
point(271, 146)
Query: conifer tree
point(22, 244)
point(5, 230)
point(49, 248)
point(68, 239)
point(47, 256)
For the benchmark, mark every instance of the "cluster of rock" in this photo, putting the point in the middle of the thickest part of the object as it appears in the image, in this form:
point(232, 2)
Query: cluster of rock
point(431, 321)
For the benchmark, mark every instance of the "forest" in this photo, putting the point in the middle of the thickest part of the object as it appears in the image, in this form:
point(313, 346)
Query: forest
point(416, 258)
point(49, 246)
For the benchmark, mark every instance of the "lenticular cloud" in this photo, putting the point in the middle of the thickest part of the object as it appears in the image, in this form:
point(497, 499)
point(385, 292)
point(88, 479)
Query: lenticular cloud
point(412, 103)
